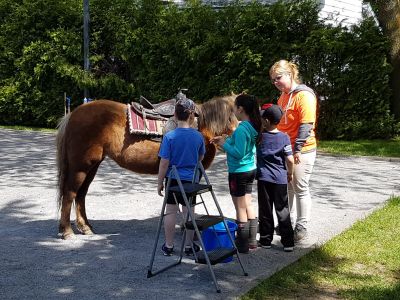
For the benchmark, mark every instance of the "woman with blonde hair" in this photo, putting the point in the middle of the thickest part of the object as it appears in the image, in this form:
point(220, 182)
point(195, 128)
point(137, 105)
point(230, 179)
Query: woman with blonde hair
point(299, 104)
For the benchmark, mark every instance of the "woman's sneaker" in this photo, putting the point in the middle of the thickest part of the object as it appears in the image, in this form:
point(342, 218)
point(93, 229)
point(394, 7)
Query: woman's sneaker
point(166, 250)
point(189, 250)
point(300, 233)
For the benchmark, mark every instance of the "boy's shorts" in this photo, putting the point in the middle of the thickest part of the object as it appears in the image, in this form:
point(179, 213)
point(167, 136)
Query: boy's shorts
point(241, 184)
point(179, 197)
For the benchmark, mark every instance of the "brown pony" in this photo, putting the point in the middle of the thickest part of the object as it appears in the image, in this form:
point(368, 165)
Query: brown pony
point(99, 129)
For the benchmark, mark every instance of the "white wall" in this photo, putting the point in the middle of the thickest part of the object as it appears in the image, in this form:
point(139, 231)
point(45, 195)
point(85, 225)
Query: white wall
point(335, 11)
point(346, 11)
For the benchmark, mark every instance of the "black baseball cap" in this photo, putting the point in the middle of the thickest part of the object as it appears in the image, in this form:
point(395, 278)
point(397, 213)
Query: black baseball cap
point(272, 112)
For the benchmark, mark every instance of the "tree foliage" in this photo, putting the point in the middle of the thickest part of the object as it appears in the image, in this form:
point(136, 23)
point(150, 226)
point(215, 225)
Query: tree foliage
point(388, 15)
point(143, 47)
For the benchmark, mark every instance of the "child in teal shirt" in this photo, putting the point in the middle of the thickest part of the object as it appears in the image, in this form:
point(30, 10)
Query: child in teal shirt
point(240, 150)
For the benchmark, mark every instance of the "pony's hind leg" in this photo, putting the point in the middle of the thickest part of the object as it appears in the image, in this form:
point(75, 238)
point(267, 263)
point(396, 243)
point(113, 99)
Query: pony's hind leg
point(82, 222)
point(65, 228)
point(72, 186)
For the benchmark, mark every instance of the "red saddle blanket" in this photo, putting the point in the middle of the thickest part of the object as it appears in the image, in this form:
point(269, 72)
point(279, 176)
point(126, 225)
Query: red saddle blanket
point(141, 125)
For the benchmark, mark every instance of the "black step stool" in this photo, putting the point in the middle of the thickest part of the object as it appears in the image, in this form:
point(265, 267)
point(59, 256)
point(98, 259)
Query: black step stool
point(188, 191)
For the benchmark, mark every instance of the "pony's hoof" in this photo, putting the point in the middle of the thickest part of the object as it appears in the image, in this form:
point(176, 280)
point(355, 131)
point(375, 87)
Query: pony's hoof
point(88, 232)
point(85, 229)
point(65, 232)
point(68, 235)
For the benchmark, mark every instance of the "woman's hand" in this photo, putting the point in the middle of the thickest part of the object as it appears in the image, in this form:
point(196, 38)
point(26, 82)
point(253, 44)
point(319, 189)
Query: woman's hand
point(296, 157)
point(219, 140)
point(289, 177)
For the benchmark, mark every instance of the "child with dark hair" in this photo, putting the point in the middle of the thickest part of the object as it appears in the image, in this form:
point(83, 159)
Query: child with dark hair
point(240, 149)
point(274, 171)
point(183, 148)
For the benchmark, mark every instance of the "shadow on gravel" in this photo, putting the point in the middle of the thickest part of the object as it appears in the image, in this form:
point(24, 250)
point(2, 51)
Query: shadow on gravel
point(31, 165)
point(328, 184)
point(36, 264)
point(25, 153)
point(112, 263)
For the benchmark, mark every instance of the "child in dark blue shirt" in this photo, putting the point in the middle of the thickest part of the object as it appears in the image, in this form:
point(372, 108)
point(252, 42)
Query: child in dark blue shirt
point(274, 171)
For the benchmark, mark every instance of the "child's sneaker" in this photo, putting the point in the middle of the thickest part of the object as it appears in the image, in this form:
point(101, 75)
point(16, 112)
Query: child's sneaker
point(189, 250)
point(166, 250)
point(253, 247)
point(288, 249)
point(264, 244)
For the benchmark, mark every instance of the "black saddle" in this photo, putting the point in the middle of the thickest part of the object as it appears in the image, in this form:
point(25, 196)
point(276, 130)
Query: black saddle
point(162, 110)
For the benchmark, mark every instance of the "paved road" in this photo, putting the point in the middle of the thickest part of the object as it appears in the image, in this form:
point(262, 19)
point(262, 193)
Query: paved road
point(124, 209)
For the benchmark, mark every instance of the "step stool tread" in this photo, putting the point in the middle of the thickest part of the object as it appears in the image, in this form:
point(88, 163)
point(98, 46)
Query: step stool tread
point(204, 222)
point(192, 189)
point(216, 255)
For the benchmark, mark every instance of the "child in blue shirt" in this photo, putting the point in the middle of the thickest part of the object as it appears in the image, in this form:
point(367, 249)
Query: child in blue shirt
point(274, 171)
point(182, 147)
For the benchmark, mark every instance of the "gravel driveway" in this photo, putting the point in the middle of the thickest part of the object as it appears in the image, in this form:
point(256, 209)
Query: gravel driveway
point(124, 209)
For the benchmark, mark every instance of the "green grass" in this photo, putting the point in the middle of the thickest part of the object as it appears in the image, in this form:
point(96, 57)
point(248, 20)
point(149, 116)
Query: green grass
point(28, 128)
point(361, 263)
point(382, 148)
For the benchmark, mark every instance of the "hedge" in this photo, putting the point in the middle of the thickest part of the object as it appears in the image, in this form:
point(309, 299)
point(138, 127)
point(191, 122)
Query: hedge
point(147, 48)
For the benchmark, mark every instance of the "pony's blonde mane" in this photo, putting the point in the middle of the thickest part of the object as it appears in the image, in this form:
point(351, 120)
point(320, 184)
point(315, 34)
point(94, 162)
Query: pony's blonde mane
point(230, 98)
point(217, 116)
point(61, 157)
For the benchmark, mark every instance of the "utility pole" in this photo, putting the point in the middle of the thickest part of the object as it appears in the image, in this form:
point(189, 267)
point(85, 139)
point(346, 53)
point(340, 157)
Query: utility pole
point(86, 42)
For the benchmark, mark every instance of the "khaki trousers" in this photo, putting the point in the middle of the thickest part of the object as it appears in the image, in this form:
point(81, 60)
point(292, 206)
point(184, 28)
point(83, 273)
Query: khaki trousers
point(299, 190)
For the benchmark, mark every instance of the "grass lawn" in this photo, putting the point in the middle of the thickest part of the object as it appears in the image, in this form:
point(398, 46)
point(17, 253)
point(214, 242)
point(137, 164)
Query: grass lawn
point(28, 128)
point(361, 263)
point(383, 148)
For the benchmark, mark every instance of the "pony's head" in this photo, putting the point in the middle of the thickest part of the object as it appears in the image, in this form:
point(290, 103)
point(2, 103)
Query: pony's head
point(216, 116)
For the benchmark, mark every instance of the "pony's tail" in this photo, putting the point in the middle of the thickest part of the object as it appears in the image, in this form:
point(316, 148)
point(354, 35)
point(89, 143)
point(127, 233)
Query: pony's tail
point(62, 163)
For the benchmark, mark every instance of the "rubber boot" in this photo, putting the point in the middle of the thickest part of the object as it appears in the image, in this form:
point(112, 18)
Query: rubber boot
point(242, 237)
point(253, 233)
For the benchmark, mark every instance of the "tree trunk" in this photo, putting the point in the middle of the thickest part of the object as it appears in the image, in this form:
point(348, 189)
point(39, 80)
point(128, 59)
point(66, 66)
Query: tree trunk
point(388, 14)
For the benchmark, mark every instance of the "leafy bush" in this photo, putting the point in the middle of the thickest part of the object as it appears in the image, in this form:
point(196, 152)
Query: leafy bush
point(146, 48)
point(350, 72)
